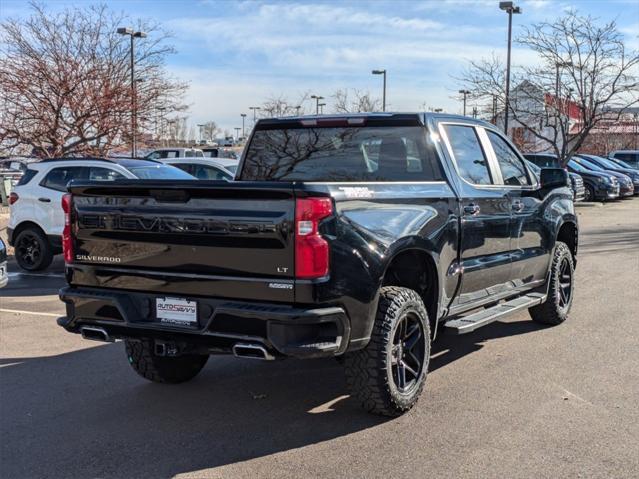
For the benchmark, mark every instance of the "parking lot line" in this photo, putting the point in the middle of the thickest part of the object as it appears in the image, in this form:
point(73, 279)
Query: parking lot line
point(46, 275)
point(19, 311)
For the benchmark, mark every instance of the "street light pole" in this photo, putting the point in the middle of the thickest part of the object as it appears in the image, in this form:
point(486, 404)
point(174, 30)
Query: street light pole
point(237, 133)
point(321, 106)
point(254, 108)
point(382, 72)
point(200, 126)
point(317, 102)
point(297, 110)
point(243, 115)
point(464, 93)
point(133, 35)
point(510, 8)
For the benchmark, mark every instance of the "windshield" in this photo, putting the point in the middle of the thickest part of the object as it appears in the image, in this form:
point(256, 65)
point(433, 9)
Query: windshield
point(378, 153)
point(589, 165)
point(577, 167)
point(159, 172)
point(608, 163)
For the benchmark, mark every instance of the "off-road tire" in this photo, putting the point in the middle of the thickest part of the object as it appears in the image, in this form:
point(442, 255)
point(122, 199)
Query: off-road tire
point(41, 253)
point(369, 371)
point(553, 311)
point(162, 369)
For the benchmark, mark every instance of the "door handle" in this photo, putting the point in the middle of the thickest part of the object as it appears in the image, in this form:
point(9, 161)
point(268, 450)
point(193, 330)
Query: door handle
point(471, 209)
point(518, 206)
point(45, 200)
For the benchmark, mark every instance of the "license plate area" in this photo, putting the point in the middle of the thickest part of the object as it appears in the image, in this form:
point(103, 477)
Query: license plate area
point(176, 312)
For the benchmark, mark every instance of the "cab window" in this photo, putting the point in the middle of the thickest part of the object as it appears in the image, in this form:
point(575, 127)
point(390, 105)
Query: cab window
point(469, 155)
point(512, 167)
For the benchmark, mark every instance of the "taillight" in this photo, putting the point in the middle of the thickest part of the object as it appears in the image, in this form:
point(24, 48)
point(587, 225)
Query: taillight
point(67, 237)
point(13, 197)
point(311, 250)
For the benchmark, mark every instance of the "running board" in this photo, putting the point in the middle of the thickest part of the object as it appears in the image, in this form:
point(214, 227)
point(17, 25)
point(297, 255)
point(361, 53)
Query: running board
point(466, 324)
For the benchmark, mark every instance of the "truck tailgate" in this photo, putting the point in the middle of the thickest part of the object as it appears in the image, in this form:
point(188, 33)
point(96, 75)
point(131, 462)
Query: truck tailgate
point(227, 240)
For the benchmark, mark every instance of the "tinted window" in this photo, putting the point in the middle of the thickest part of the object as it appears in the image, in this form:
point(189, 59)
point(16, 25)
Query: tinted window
point(204, 172)
point(543, 161)
point(58, 178)
point(26, 178)
point(512, 168)
point(184, 167)
point(632, 157)
point(210, 153)
point(341, 154)
point(159, 172)
point(469, 156)
point(104, 174)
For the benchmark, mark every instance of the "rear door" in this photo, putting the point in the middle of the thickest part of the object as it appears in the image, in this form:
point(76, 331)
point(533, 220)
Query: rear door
point(529, 251)
point(48, 197)
point(485, 220)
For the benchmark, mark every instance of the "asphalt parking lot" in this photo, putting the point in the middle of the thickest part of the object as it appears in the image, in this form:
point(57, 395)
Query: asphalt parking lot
point(511, 400)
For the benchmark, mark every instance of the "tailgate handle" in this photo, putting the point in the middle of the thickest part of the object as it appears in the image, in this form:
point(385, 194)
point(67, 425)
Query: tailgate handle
point(170, 196)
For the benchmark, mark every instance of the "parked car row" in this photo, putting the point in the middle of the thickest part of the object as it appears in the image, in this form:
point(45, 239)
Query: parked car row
point(37, 220)
point(603, 178)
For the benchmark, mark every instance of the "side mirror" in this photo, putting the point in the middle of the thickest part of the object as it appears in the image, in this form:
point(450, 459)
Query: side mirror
point(551, 178)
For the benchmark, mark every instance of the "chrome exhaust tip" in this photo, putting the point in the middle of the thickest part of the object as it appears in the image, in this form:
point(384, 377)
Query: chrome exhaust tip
point(252, 351)
point(94, 333)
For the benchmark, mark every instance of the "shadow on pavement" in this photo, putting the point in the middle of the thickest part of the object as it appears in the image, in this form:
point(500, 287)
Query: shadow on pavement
point(614, 239)
point(87, 414)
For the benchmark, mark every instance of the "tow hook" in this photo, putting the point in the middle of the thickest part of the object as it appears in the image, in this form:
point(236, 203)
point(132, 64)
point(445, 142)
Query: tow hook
point(168, 349)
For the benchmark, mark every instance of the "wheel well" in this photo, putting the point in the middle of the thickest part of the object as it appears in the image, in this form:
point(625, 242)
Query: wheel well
point(568, 234)
point(25, 225)
point(415, 269)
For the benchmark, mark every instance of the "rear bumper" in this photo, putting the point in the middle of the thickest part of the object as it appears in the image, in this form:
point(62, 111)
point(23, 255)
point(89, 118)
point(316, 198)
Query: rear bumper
point(282, 330)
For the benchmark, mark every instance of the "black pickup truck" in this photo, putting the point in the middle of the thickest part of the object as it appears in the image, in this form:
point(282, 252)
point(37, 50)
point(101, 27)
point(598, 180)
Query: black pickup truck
point(360, 237)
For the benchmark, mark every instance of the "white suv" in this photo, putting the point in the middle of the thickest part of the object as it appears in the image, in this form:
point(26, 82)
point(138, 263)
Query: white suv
point(37, 220)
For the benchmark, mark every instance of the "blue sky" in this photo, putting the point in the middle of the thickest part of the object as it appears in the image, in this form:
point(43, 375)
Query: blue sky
point(236, 54)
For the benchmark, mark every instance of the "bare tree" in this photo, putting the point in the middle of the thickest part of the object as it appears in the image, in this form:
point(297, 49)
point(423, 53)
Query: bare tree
point(356, 101)
point(210, 130)
point(65, 81)
point(585, 76)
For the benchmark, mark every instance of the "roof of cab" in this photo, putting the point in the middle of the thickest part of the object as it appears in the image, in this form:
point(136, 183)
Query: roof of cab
point(420, 117)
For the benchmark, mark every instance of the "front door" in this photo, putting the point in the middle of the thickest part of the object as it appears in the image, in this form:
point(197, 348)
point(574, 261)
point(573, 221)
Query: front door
point(530, 254)
point(485, 217)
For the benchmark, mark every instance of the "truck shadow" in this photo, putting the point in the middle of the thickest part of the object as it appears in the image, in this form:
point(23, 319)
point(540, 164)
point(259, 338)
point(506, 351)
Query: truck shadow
point(449, 348)
point(86, 414)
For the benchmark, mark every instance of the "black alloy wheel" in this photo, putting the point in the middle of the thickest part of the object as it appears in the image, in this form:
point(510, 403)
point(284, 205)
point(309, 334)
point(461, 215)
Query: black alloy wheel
point(407, 353)
point(565, 283)
point(28, 249)
point(32, 250)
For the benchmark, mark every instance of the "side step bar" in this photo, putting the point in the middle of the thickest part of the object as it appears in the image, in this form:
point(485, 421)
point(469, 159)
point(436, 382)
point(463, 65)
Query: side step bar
point(466, 324)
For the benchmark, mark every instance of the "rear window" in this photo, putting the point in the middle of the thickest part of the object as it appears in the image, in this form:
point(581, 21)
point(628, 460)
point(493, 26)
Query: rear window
point(341, 154)
point(159, 172)
point(26, 177)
